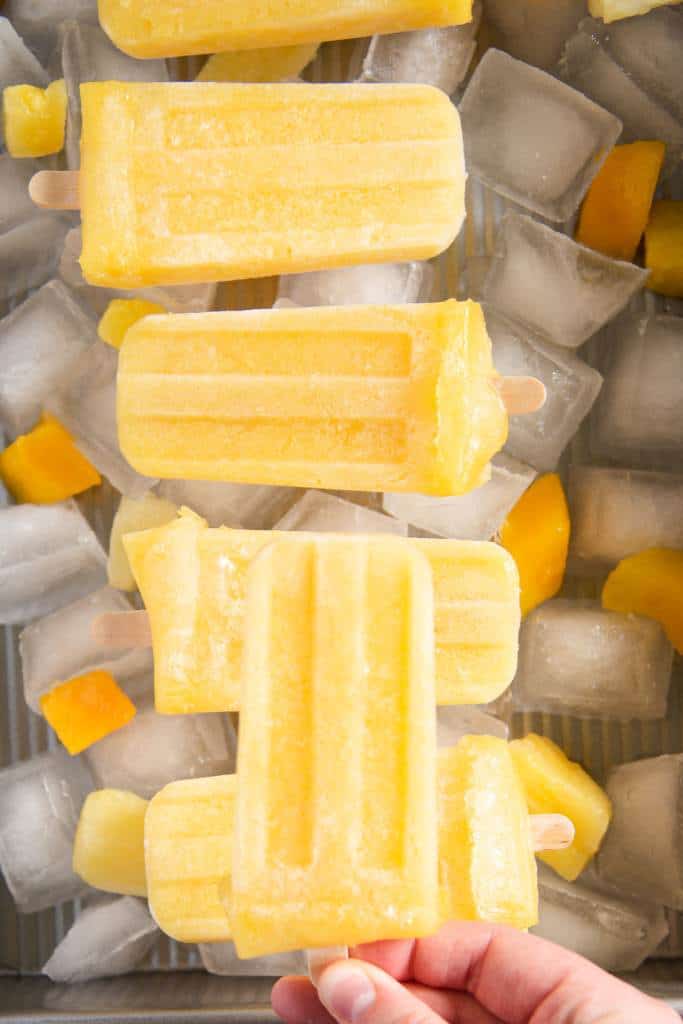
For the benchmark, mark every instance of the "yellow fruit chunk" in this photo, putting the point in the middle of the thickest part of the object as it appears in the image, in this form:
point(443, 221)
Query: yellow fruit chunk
point(35, 119)
point(119, 317)
point(555, 785)
point(270, 65)
point(614, 10)
point(536, 533)
point(664, 248)
point(86, 709)
point(132, 516)
point(188, 852)
point(45, 466)
point(616, 209)
point(650, 583)
point(109, 849)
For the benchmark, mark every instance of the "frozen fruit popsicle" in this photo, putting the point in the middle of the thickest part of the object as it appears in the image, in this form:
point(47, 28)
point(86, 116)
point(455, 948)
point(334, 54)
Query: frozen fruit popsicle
point(390, 398)
point(176, 28)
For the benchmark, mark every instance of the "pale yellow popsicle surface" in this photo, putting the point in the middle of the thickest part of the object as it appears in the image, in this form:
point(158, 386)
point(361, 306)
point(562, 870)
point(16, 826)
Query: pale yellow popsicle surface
point(336, 828)
point(193, 582)
point(175, 28)
point(390, 398)
point(188, 183)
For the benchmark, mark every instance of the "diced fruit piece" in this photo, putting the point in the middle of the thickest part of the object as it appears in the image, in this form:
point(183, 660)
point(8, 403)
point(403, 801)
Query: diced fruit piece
point(614, 10)
point(555, 785)
point(119, 317)
point(133, 515)
point(536, 533)
point(35, 119)
point(45, 466)
point(109, 849)
point(650, 583)
point(664, 248)
point(616, 210)
point(271, 65)
point(86, 709)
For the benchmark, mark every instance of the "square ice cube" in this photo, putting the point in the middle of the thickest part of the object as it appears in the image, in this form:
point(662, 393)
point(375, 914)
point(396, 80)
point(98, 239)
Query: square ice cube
point(571, 389)
point(638, 418)
point(40, 801)
point(532, 138)
point(618, 512)
point(318, 512)
point(221, 958)
point(576, 658)
point(17, 64)
point(37, 21)
point(546, 281)
point(245, 506)
point(380, 284)
point(29, 253)
point(49, 556)
point(478, 515)
point(533, 32)
point(39, 343)
point(452, 723)
point(15, 203)
point(106, 939)
point(642, 851)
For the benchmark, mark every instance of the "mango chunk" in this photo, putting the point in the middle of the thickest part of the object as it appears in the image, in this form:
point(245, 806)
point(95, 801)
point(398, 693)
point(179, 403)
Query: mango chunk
point(34, 119)
point(650, 583)
point(109, 849)
point(270, 65)
point(664, 248)
point(132, 516)
point(45, 466)
point(120, 315)
point(86, 709)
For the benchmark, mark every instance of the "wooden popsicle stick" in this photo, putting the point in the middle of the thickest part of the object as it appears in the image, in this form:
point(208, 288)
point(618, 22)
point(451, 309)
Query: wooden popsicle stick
point(122, 629)
point(521, 395)
point(55, 190)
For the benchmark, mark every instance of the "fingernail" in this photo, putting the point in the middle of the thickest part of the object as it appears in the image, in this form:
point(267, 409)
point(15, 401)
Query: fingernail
point(346, 991)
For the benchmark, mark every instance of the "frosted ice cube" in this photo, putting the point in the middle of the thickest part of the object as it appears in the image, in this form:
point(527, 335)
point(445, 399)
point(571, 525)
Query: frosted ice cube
point(571, 389)
point(641, 852)
point(638, 418)
point(17, 64)
point(40, 801)
point(531, 137)
point(49, 556)
point(39, 343)
point(618, 512)
point(15, 202)
point(37, 21)
point(545, 280)
point(86, 404)
point(325, 513)
point(246, 506)
point(576, 658)
point(615, 932)
point(107, 939)
point(533, 32)
point(376, 284)
point(452, 723)
point(221, 958)
point(29, 253)
point(474, 516)
point(60, 646)
point(155, 749)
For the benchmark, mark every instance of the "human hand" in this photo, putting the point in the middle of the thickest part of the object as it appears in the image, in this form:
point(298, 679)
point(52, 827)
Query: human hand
point(469, 973)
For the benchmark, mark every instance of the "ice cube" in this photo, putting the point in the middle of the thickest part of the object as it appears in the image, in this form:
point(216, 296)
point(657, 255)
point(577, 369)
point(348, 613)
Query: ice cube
point(88, 55)
point(615, 932)
point(107, 939)
point(563, 291)
point(154, 749)
point(533, 32)
point(221, 958)
point(576, 658)
point(245, 506)
point(40, 801)
point(452, 723)
point(86, 404)
point(60, 646)
point(642, 851)
point(571, 389)
point(15, 202)
point(17, 64)
point(29, 253)
point(49, 556)
point(377, 284)
point(474, 516)
point(532, 138)
point(618, 512)
point(638, 419)
point(37, 21)
point(325, 513)
point(39, 343)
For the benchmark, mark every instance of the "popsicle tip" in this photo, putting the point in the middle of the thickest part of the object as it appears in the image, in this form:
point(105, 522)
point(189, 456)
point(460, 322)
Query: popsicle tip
point(318, 959)
point(521, 395)
point(55, 190)
point(122, 630)
point(551, 832)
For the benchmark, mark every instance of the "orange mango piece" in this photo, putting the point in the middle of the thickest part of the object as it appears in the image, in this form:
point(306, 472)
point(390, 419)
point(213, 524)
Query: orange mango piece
point(86, 709)
point(650, 583)
point(45, 466)
point(664, 248)
point(616, 209)
point(536, 533)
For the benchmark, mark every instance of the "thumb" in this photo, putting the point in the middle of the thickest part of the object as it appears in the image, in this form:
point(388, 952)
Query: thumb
point(359, 993)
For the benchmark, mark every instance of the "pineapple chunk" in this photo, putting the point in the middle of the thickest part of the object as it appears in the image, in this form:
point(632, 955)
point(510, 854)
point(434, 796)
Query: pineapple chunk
point(119, 317)
point(109, 849)
point(133, 515)
point(35, 119)
point(272, 65)
point(614, 10)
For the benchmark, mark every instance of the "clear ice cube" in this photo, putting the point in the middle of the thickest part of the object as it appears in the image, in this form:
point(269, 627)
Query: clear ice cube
point(618, 512)
point(533, 32)
point(532, 138)
point(221, 958)
point(106, 939)
point(37, 21)
point(49, 557)
point(29, 253)
point(18, 65)
point(571, 389)
point(576, 658)
point(380, 284)
point(39, 343)
point(242, 506)
point(478, 515)
point(546, 281)
point(325, 513)
point(15, 203)
point(452, 723)
point(40, 801)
